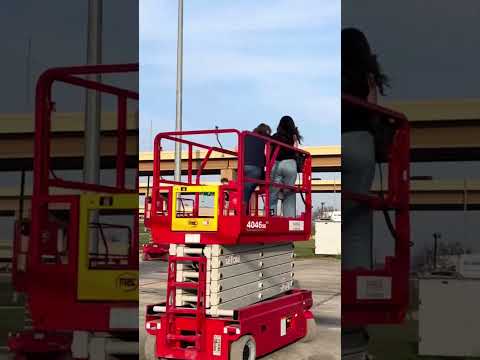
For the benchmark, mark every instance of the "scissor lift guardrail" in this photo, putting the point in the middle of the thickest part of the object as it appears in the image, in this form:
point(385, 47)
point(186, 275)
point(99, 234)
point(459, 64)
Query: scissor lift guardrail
point(380, 295)
point(89, 295)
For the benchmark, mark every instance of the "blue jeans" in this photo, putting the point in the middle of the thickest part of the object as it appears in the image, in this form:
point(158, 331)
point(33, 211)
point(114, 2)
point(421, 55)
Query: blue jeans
point(358, 170)
point(284, 172)
point(254, 172)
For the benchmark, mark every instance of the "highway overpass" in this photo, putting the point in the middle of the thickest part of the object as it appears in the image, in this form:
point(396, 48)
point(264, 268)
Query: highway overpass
point(324, 159)
point(67, 146)
point(425, 194)
point(440, 130)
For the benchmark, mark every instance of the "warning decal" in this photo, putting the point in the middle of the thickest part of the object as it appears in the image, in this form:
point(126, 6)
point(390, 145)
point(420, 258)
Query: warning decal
point(217, 345)
point(294, 225)
point(283, 326)
point(374, 288)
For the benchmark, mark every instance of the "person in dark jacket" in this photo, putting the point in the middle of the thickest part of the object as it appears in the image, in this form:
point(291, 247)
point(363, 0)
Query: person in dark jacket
point(284, 170)
point(254, 160)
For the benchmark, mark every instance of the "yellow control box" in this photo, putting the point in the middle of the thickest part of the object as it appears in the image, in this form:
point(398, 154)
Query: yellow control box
point(104, 272)
point(195, 208)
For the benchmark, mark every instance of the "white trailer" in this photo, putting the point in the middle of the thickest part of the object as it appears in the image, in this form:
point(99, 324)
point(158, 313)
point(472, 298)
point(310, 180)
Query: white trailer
point(328, 237)
point(448, 318)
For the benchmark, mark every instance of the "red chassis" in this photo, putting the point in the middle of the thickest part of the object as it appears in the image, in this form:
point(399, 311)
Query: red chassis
point(272, 324)
point(389, 305)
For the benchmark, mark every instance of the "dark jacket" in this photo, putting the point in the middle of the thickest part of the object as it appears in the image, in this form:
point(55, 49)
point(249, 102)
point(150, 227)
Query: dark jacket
point(254, 150)
point(284, 154)
point(355, 118)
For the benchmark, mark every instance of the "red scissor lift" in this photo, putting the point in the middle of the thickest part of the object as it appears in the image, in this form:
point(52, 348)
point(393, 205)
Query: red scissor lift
point(152, 251)
point(48, 266)
point(380, 295)
point(243, 333)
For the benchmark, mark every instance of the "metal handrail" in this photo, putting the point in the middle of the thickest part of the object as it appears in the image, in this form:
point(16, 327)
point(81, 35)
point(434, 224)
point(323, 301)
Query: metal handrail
point(178, 136)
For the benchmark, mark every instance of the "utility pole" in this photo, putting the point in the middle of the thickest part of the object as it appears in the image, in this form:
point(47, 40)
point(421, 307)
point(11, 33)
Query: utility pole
point(91, 165)
point(93, 110)
point(178, 119)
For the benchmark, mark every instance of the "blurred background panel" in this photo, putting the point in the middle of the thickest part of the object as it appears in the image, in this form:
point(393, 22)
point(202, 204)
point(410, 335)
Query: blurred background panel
point(428, 51)
point(37, 36)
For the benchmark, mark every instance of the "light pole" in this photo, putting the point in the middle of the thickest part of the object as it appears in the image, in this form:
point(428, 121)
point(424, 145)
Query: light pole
point(93, 101)
point(178, 118)
point(91, 166)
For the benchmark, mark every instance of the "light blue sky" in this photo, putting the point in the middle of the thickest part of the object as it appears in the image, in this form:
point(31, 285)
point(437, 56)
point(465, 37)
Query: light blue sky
point(245, 62)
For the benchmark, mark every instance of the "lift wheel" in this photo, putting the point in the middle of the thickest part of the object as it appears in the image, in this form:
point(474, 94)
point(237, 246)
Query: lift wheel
point(244, 348)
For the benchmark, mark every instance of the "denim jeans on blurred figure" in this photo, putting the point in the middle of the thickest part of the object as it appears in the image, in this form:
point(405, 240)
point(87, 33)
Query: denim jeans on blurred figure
point(358, 170)
point(284, 172)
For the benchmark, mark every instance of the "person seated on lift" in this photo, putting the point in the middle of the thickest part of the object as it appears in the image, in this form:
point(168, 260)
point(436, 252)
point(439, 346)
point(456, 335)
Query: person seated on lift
point(254, 161)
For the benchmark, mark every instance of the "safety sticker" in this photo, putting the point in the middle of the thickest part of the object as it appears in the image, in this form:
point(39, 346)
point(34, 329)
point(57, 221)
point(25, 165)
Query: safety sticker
point(217, 345)
point(295, 225)
point(374, 288)
point(192, 238)
point(283, 326)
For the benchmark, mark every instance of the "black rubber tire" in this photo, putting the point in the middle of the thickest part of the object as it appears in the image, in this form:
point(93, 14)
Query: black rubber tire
point(312, 331)
point(244, 348)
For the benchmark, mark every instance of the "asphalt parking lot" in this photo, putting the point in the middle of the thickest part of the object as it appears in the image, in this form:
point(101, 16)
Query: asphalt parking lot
point(321, 275)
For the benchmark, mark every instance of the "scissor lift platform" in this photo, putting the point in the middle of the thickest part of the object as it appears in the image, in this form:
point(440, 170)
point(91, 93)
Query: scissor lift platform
point(231, 265)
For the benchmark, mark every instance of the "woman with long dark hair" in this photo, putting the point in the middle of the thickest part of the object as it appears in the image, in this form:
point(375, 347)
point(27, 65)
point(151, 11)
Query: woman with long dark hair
point(284, 170)
point(361, 77)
